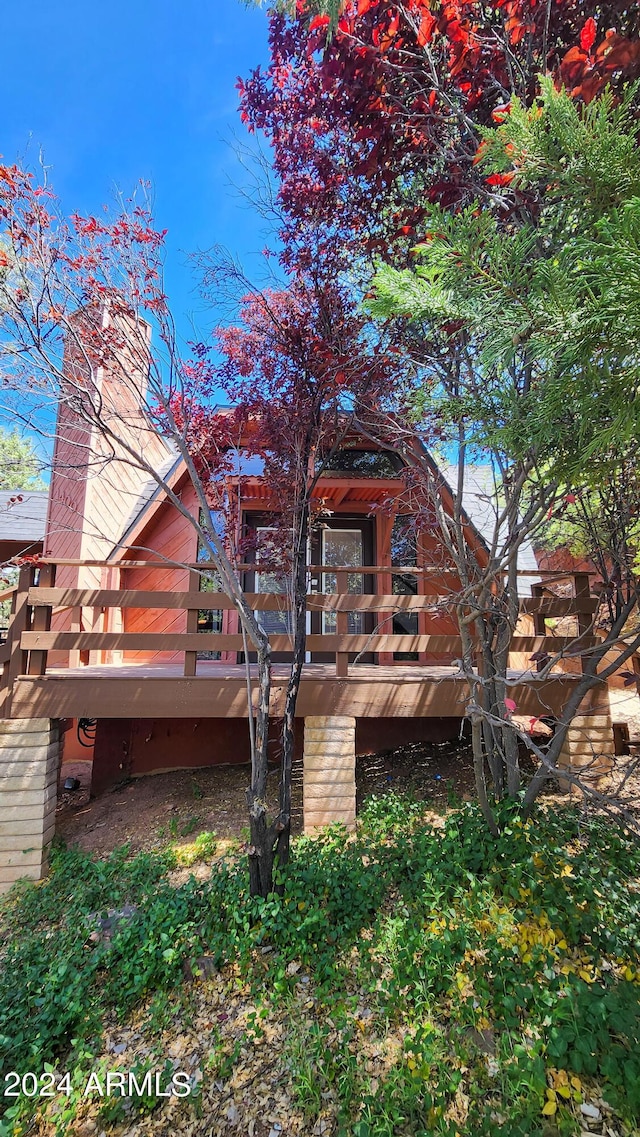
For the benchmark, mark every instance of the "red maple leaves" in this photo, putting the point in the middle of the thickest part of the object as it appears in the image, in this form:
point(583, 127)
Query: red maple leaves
point(588, 34)
point(428, 25)
point(398, 96)
point(586, 72)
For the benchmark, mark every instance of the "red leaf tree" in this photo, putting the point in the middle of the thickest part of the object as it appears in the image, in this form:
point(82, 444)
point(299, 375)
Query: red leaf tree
point(297, 368)
point(377, 116)
point(76, 299)
point(373, 119)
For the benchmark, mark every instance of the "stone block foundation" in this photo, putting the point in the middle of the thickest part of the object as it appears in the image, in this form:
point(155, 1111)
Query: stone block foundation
point(29, 760)
point(329, 771)
point(589, 748)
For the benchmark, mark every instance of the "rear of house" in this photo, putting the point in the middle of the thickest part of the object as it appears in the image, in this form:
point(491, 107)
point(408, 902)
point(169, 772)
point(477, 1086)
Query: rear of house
point(123, 657)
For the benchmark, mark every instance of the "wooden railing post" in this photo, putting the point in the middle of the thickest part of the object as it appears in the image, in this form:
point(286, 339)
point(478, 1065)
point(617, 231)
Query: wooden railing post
point(383, 582)
point(582, 590)
point(342, 625)
point(539, 620)
point(5, 688)
point(191, 657)
point(41, 621)
point(114, 617)
point(19, 623)
point(75, 658)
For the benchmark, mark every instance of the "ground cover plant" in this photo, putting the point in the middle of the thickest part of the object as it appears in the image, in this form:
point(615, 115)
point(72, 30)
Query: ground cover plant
point(420, 978)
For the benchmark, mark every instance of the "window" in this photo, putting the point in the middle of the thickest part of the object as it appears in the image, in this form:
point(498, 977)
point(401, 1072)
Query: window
point(342, 548)
point(365, 463)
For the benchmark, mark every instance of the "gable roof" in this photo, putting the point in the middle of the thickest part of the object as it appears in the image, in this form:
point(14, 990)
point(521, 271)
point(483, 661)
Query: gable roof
point(151, 494)
point(23, 514)
point(479, 502)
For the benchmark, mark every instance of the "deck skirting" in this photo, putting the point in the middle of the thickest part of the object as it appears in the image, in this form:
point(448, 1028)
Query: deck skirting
point(29, 760)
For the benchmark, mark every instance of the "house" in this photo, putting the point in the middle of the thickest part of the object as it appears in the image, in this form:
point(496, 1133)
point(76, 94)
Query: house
point(115, 629)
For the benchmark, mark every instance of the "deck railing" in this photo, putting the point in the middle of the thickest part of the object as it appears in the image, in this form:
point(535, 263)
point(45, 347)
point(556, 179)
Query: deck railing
point(6, 601)
point(37, 600)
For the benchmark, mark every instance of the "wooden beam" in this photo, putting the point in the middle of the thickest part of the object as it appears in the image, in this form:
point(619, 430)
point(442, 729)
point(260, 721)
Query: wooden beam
point(267, 601)
point(137, 641)
point(431, 570)
point(64, 598)
point(19, 622)
point(214, 641)
point(191, 657)
point(582, 593)
point(547, 575)
point(342, 626)
point(41, 620)
point(552, 608)
point(127, 598)
point(363, 694)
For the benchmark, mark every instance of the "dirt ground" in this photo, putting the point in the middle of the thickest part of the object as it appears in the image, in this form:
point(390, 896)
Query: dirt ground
point(148, 812)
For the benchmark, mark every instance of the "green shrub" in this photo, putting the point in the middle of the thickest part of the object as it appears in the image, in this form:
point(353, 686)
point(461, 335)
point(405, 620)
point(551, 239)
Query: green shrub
point(445, 934)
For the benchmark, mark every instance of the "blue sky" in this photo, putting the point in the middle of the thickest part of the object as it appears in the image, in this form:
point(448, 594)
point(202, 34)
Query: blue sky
point(132, 89)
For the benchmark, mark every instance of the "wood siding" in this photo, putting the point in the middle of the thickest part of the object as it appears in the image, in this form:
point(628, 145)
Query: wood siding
point(168, 535)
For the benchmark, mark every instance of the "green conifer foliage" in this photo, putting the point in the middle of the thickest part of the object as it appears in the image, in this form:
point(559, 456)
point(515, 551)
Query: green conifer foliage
point(19, 464)
point(542, 281)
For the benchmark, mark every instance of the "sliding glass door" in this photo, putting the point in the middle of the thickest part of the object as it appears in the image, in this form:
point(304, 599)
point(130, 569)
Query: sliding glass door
point(345, 543)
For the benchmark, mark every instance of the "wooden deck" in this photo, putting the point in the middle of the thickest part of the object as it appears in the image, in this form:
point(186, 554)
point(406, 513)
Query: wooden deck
point(219, 691)
point(115, 673)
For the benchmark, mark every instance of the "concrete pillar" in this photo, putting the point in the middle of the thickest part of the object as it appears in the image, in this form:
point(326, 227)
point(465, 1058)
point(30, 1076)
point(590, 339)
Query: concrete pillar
point(29, 760)
point(329, 771)
point(589, 747)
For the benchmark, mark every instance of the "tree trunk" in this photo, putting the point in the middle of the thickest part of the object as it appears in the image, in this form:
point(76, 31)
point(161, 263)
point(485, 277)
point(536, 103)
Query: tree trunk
point(491, 751)
point(480, 780)
point(476, 716)
point(261, 847)
point(508, 740)
point(506, 630)
point(260, 850)
point(512, 758)
point(283, 824)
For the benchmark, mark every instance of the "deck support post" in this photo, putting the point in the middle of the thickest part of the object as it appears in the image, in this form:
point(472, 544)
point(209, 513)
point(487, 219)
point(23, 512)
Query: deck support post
point(329, 771)
point(29, 761)
point(588, 749)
